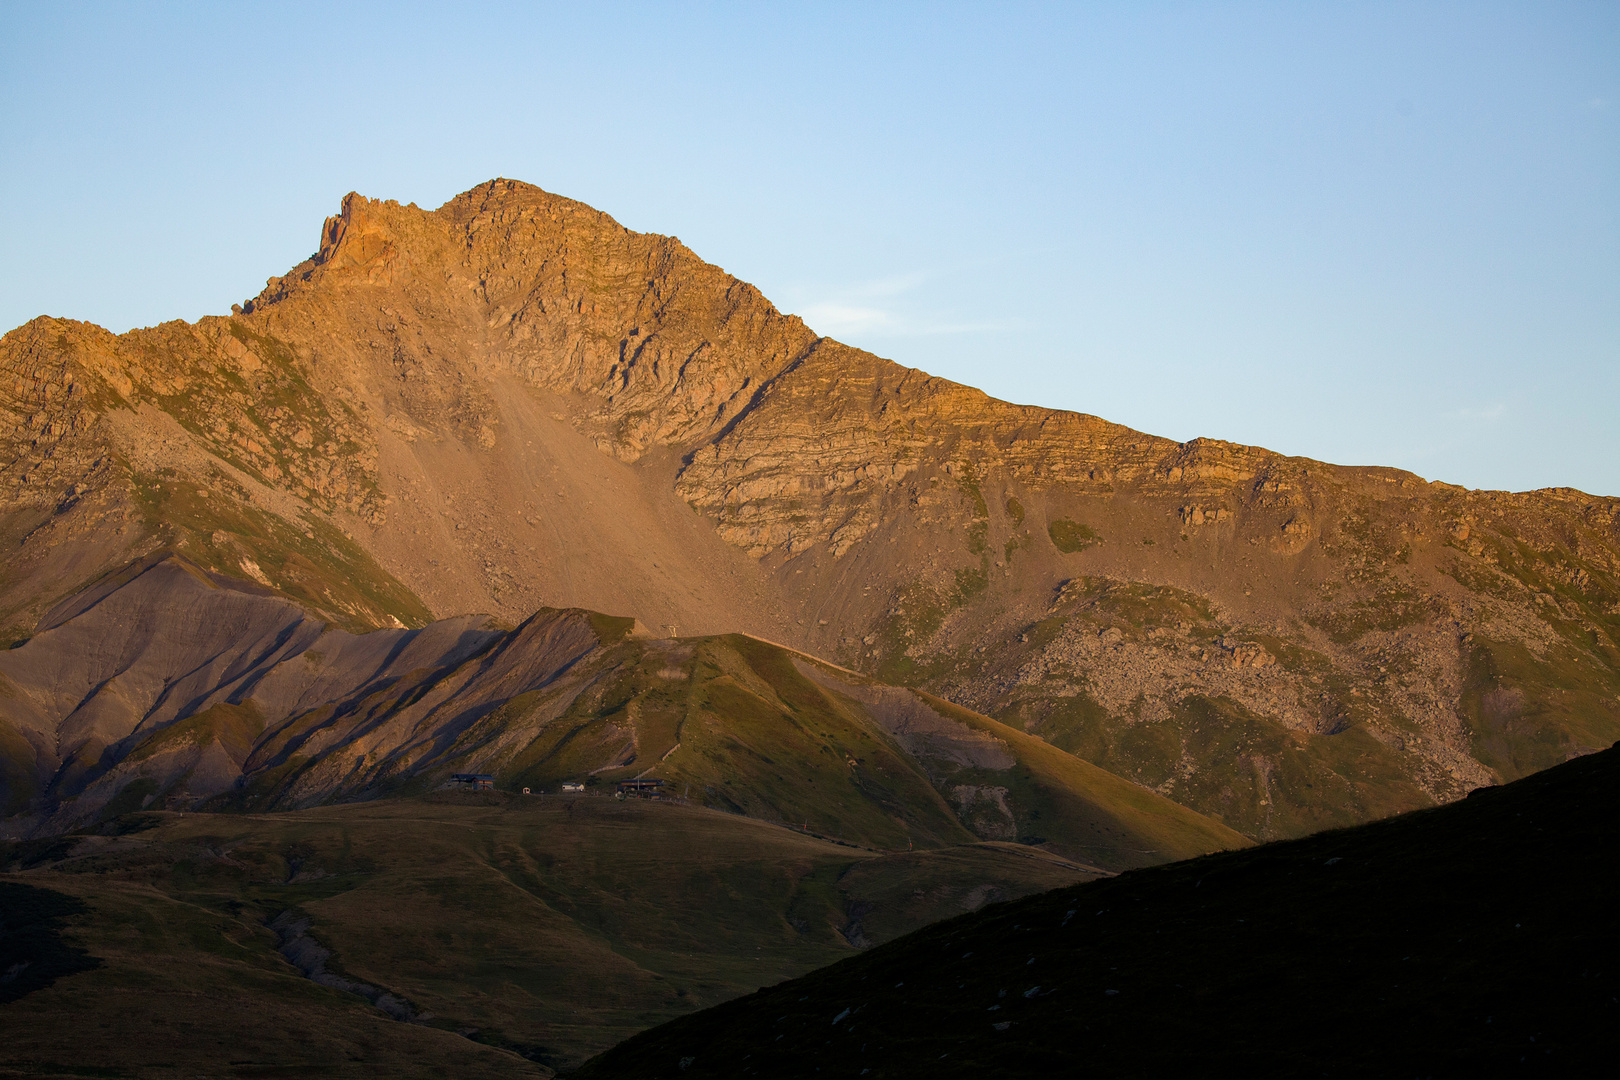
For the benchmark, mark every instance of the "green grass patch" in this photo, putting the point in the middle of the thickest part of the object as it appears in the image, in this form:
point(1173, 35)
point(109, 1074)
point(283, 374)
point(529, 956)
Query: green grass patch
point(1241, 768)
point(312, 561)
point(236, 727)
point(1527, 713)
point(131, 797)
point(1392, 607)
point(1071, 536)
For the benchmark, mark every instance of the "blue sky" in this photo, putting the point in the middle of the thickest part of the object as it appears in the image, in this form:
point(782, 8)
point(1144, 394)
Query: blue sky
point(1367, 233)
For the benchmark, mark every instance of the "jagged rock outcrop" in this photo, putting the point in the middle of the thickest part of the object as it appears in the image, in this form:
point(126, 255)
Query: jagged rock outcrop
point(669, 347)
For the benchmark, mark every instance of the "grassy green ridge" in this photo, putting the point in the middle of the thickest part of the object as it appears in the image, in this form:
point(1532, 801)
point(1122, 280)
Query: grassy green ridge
point(235, 727)
point(1111, 820)
point(732, 725)
point(1252, 770)
point(1474, 938)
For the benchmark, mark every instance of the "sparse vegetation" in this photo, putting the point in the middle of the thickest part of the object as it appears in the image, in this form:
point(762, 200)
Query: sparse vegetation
point(234, 726)
point(1391, 607)
point(1412, 927)
point(311, 561)
point(540, 929)
point(1071, 536)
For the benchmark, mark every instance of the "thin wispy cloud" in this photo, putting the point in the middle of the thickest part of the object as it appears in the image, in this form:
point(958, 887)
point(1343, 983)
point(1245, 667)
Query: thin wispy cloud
point(836, 319)
point(868, 308)
point(1487, 412)
point(891, 286)
point(847, 320)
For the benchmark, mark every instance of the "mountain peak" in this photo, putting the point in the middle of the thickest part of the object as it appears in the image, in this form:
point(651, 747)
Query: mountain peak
point(513, 402)
point(670, 347)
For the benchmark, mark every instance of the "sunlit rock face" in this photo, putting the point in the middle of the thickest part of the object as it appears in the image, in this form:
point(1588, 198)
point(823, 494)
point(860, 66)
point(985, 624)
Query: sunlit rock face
point(512, 402)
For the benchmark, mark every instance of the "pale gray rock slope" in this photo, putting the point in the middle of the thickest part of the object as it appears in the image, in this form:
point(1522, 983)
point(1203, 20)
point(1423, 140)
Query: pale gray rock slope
point(114, 670)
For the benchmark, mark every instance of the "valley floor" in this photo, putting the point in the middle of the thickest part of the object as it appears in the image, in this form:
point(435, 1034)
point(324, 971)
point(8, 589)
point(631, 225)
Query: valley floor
point(514, 935)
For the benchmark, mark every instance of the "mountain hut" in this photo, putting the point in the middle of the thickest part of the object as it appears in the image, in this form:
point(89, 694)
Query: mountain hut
point(641, 789)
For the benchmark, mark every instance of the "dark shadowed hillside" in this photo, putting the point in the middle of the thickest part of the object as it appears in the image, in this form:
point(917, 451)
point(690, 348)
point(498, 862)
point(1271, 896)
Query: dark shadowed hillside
point(1473, 939)
point(455, 934)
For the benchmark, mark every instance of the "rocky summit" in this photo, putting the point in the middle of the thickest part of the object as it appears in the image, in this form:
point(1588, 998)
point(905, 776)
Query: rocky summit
point(513, 403)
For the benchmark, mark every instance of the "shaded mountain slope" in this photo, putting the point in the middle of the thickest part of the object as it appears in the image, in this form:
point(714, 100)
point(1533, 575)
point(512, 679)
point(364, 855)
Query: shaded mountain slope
point(512, 402)
point(516, 933)
point(1473, 938)
point(167, 685)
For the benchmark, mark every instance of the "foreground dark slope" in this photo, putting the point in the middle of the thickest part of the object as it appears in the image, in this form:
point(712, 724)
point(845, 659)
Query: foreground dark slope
point(512, 402)
point(511, 933)
point(1477, 938)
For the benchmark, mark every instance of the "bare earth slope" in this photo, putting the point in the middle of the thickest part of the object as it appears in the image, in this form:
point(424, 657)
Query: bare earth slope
point(512, 402)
